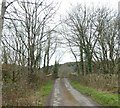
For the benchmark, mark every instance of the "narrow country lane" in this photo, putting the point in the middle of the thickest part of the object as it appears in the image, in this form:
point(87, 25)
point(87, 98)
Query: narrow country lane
point(65, 95)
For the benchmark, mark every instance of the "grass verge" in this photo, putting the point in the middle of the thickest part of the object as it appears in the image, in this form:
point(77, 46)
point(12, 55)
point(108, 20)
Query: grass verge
point(103, 98)
point(44, 91)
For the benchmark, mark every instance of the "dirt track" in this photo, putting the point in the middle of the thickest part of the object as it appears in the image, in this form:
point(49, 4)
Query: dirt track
point(65, 95)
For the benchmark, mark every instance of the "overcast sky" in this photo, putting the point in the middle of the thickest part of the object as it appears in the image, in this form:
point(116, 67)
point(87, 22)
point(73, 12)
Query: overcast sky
point(65, 6)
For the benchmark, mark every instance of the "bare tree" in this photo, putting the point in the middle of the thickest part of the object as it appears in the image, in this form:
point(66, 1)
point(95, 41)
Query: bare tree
point(105, 23)
point(25, 31)
point(80, 24)
point(92, 32)
point(51, 45)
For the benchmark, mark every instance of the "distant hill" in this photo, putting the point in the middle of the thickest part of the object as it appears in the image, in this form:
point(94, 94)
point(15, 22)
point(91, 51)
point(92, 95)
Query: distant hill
point(67, 68)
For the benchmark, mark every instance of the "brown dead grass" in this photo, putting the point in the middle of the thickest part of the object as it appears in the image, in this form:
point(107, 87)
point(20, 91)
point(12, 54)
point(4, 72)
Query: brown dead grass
point(103, 82)
point(20, 92)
